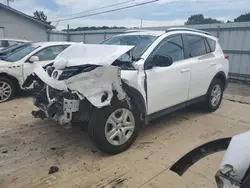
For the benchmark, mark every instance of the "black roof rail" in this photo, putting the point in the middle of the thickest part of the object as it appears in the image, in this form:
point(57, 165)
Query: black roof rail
point(187, 29)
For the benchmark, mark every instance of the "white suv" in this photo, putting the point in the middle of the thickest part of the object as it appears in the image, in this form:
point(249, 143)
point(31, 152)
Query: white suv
point(130, 79)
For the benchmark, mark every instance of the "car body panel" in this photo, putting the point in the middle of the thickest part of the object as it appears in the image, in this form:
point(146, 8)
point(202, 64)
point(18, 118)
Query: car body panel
point(79, 54)
point(163, 86)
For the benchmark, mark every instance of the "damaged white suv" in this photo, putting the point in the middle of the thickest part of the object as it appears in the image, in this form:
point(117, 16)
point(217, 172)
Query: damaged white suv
point(130, 79)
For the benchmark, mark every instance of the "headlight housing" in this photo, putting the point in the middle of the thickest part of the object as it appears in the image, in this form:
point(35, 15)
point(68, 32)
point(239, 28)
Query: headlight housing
point(55, 74)
point(72, 71)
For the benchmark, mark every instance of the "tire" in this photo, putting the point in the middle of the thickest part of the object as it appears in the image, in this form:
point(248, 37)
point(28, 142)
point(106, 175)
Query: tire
point(99, 128)
point(211, 105)
point(8, 88)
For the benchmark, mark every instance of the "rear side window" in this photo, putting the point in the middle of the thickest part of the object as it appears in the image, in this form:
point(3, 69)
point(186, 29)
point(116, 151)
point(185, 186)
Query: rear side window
point(196, 45)
point(212, 44)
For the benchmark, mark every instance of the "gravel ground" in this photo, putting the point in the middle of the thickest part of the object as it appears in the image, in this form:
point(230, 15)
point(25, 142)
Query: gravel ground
point(30, 147)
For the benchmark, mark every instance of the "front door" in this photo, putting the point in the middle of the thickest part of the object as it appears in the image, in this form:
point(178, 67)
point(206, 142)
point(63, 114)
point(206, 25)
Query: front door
point(168, 85)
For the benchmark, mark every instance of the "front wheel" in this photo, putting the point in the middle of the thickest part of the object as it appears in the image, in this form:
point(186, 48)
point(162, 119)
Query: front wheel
point(7, 89)
point(214, 95)
point(114, 128)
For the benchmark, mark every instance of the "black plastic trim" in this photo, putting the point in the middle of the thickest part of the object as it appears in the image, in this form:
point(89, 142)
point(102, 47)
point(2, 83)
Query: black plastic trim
point(136, 98)
point(176, 107)
point(183, 164)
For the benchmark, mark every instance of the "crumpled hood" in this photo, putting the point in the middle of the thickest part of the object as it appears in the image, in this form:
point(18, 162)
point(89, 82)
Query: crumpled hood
point(92, 54)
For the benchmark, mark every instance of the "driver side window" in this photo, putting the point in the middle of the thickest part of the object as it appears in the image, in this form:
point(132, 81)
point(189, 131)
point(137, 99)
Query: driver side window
point(171, 47)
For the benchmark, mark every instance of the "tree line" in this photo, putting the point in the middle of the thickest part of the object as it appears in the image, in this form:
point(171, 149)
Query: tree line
point(200, 19)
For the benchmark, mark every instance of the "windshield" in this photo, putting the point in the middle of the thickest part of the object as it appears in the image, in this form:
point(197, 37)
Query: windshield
point(21, 53)
point(141, 43)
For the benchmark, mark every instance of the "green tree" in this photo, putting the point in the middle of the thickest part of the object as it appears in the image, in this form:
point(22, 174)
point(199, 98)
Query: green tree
point(199, 19)
point(243, 18)
point(39, 15)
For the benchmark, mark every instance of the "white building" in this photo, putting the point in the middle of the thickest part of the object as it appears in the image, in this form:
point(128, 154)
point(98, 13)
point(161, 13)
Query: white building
point(15, 24)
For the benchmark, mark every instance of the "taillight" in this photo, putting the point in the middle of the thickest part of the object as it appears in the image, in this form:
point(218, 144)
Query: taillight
point(226, 56)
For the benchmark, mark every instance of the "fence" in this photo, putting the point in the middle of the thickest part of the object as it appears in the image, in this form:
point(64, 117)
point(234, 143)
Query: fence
point(89, 37)
point(234, 39)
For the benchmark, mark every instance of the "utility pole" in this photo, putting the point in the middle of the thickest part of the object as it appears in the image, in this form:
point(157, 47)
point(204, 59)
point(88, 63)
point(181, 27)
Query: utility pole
point(141, 22)
point(68, 36)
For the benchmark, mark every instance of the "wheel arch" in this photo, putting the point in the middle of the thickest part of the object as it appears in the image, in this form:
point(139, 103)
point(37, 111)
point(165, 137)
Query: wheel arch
point(12, 78)
point(137, 98)
point(220, 76)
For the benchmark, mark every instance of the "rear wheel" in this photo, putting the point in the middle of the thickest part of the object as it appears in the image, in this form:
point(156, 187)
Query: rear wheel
point(7, 89)
point(214, 95)
point(114, 128)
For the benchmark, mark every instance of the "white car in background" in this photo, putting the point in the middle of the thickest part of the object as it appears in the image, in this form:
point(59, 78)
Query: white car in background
point(15, 68)
point(6, 42)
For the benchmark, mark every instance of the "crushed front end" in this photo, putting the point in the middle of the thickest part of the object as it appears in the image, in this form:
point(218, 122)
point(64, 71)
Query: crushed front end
point(78, 81)
point(68, 95)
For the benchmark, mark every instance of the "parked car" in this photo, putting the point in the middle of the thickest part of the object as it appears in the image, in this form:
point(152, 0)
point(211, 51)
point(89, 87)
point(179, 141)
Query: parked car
point(130, 79)
point(6, 42)
point(15, 68)
point(234, 170)
point(6, 51)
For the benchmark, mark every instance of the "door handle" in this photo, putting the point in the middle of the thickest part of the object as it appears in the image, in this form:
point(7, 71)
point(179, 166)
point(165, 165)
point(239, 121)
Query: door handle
point(212, 64)
point(185, 70)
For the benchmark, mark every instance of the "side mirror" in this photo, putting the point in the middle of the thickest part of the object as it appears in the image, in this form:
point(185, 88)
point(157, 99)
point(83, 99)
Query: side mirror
point(33, 59)
point(162, 61)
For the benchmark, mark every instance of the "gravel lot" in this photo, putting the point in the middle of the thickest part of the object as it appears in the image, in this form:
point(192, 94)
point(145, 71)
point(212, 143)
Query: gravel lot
point(29, 147)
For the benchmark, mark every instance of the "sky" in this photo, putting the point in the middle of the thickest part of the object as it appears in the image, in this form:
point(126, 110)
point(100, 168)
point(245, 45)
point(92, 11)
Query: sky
point(160, 13)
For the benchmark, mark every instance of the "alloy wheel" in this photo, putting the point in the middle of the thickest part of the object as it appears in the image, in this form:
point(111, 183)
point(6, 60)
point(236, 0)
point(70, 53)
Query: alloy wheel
point(119, 127)
point(216, 95)
point(5, 91)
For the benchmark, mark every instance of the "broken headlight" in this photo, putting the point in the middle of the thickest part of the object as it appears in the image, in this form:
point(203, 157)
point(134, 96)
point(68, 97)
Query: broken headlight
point(67, 73)
point(72, 71)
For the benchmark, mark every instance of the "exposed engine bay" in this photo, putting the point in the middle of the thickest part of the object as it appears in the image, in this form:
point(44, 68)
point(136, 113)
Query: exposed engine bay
point(234, 170)
point(68, 88)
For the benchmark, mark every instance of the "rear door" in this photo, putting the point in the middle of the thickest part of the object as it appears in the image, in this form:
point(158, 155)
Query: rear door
point(202, 64)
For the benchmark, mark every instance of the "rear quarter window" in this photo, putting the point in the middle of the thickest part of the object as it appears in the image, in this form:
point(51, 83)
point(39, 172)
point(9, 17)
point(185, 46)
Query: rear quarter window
point(196, 45)
point(212, 44)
